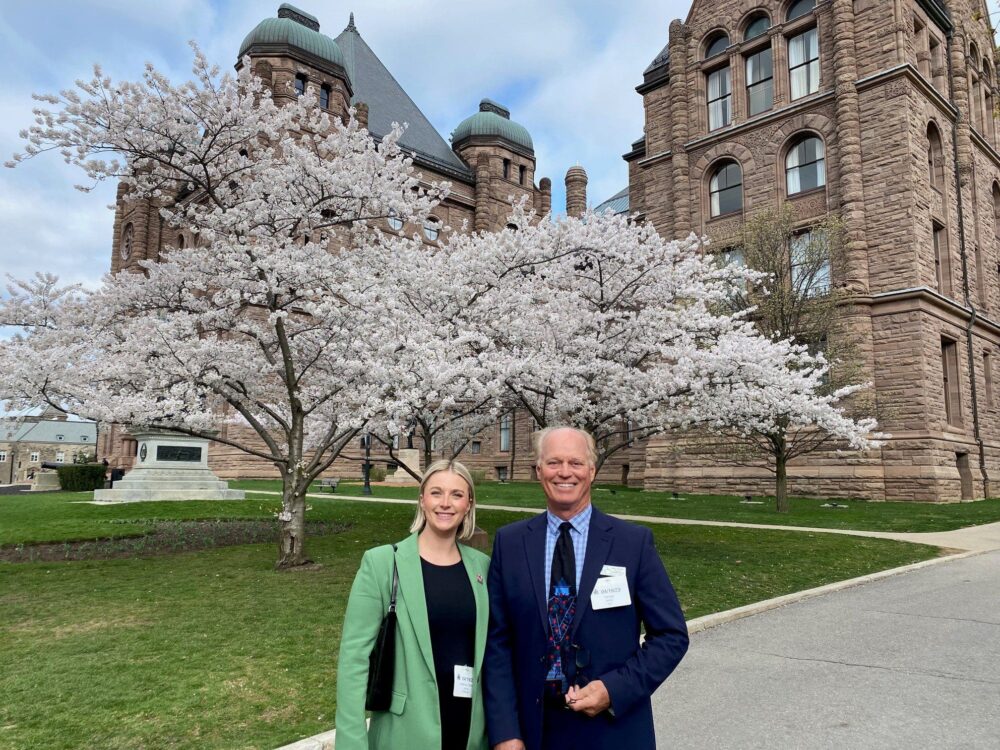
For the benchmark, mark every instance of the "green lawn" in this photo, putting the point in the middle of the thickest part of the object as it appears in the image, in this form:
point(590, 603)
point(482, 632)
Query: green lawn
point(215, 649)
point(893, 516)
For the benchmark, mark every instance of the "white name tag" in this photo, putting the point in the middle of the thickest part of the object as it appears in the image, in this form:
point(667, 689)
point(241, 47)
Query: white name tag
point(463, 681)
point(611, 591)
point(613, 570)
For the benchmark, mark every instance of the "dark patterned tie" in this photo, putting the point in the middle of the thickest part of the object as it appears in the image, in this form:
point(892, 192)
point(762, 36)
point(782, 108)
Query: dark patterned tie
point(562, 598)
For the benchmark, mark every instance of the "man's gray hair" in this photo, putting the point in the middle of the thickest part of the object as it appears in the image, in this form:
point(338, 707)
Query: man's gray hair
point(541, 435)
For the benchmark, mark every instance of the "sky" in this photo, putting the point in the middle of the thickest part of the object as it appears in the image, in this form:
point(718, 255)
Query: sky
point(566, 69)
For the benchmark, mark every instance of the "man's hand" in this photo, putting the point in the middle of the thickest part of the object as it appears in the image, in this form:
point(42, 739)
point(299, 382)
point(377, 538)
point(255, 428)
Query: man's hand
point(592, 698)
point(509, 745)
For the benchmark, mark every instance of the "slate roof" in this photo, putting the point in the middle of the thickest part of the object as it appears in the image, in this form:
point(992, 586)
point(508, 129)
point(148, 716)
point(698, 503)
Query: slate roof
point(374, 85)
point(616, 204)
point(48, 431)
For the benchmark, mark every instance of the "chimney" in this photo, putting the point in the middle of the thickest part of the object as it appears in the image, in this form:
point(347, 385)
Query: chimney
point(576, 191)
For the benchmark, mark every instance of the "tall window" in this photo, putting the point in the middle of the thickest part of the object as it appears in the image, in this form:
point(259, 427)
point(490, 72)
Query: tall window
point(760, 82)
point(725, 189)
point(324, 96)
point(720, 95)
point(988, 375)
point(949, 373)
point(300, 84)
point(522, 171)
point(810, 264)
point(805, 166)
point(432, 228)
point(506, 169)
point(505, 429)
point(803, 63)
point(935, 158)
point(942, 259)
point(996, 210)
point(799, 9)
point(60, 457)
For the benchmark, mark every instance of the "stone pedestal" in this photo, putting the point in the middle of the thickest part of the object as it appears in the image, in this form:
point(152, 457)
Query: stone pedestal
point(45, 481)
point(410, 457)
point(169, 466)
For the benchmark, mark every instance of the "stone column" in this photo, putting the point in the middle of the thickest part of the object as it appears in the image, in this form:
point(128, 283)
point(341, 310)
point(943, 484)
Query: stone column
point(576, 191)
point(779, 62)
point(680, 109)
point(361, 114)
point(482, 223)
point(738, 82)
point(849, 146)
point(545, 192)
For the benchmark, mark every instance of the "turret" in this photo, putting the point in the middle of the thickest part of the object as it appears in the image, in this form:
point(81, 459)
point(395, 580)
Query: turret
point(576, 191)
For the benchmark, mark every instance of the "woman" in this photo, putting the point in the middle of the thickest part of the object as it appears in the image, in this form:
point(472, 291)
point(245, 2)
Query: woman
point(442, 612)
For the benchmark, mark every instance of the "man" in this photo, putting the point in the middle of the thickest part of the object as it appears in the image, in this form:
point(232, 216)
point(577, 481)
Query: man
point(568, 589)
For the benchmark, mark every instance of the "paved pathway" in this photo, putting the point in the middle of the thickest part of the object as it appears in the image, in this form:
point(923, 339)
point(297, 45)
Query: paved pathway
point(910, 661)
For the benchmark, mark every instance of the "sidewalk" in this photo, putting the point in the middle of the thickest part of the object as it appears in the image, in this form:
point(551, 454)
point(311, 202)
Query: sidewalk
point(910, 661)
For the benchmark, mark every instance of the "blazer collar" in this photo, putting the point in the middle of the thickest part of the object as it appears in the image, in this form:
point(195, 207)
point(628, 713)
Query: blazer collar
point(534, 549)
point(477, 581)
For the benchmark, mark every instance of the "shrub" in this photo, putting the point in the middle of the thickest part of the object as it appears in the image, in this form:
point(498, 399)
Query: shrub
point(81, 477)
point(376, 475)
point(478, 475)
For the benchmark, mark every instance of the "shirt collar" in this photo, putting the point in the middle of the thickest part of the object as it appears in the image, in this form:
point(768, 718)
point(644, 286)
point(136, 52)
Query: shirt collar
point(579, 522)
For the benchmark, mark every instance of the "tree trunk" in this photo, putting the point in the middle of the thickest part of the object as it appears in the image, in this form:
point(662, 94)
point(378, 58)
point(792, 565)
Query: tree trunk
point(781, 483)
point(292, 538)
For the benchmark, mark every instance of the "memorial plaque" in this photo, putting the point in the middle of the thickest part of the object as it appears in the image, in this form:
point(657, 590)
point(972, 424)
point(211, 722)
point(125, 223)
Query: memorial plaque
point(178, 453)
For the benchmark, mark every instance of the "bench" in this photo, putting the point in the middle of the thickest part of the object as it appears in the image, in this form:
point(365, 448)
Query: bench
point(328, 484)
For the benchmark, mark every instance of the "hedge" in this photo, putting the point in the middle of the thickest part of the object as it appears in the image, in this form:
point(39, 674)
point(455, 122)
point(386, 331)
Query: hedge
point(81, 477)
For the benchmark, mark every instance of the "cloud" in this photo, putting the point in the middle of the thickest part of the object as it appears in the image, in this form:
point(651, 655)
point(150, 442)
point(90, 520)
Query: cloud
point(567, 71)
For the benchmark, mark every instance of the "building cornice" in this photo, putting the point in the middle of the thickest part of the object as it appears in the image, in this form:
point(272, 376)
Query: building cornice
point(957, 311)
point(906, 70)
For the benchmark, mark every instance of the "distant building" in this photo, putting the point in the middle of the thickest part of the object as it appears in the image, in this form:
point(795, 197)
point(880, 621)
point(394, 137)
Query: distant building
point(28, 441)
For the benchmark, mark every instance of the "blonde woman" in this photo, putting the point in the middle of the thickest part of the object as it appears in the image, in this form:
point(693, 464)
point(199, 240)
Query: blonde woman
point(442, 616)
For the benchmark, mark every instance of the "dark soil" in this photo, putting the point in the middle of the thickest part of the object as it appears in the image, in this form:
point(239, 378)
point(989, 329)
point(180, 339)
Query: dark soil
point(163, 538)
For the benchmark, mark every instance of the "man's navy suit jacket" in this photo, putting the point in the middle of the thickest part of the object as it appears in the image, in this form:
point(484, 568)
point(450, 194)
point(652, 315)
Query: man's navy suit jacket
point(605, 642)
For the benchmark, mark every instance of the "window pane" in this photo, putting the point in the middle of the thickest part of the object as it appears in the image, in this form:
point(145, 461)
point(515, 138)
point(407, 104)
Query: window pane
point(759, 66)
point(718, 46)
point(799, 9)
point(757, 27)
point(761, 97)
point(730, 199)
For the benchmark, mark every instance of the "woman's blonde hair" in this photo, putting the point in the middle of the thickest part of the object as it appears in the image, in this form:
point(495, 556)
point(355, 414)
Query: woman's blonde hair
point(469, 522)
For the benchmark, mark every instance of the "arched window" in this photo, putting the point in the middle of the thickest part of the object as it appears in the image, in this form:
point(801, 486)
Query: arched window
point(725, 189)
point(974, 55)
point(324, 96)
point(805, 166)
point(432, 228)
point(996, 210)
point(300, 84)
point(799, 9)
point(716, 45)
point(757, 26)
point(180, 242)
point(935, 158)
point(394, 222)
point(125, 249)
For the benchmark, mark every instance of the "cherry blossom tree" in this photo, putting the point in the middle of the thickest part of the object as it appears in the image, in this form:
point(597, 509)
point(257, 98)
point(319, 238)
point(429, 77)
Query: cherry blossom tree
point(281, 317)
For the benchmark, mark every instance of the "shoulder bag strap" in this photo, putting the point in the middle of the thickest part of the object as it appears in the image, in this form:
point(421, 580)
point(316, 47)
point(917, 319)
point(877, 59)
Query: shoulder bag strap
point(395, 581)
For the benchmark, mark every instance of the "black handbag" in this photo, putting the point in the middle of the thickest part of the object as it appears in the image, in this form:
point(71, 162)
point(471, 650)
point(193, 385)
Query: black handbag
point(382, 660)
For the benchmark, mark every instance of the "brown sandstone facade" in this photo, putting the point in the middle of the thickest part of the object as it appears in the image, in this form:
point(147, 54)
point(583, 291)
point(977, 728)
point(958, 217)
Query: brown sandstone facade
point(891, 101)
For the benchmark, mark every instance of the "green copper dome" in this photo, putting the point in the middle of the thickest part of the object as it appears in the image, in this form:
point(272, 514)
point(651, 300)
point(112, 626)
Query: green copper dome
point(294, 28)
point(493, 119)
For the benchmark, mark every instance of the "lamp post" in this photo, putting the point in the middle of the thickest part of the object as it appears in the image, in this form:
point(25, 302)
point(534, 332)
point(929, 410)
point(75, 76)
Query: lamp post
point(367, 489)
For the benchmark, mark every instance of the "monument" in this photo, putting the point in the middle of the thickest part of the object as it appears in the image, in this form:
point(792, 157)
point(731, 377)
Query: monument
point(411, 458)
point(168, 466)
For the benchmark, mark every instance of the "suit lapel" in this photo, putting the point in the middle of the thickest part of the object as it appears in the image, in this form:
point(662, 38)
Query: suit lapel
point(482, 605)
point(534, 549)
point(599, 539)
point(411, 591)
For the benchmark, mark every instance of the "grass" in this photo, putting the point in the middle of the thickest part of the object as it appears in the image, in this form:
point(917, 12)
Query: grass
point(215, 649)
point(859, 514)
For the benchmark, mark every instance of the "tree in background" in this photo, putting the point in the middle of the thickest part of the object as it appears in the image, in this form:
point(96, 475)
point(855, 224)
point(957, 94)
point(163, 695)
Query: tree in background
point(794, 299)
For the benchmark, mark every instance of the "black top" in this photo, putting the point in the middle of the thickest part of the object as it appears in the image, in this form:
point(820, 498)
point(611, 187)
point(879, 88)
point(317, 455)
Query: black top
point(451, 614)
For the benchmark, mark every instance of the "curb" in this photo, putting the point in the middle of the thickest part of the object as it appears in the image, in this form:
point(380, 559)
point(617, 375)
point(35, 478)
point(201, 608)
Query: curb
point(715, 619)
point(322, 741)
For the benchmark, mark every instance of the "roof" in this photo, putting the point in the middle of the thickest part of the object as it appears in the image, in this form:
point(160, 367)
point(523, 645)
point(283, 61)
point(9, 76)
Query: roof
point(294, 28)
point(662, 59)
point(616, 204)
point(48, 431)
point(493, 119)
point(374, 85)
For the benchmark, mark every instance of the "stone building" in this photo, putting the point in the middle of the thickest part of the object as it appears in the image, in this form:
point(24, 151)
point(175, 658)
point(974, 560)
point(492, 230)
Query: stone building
point(883, 112)
point(490, 159)
point(27, 442)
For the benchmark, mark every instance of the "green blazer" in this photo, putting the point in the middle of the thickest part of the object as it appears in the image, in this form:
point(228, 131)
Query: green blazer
point(413, 719)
